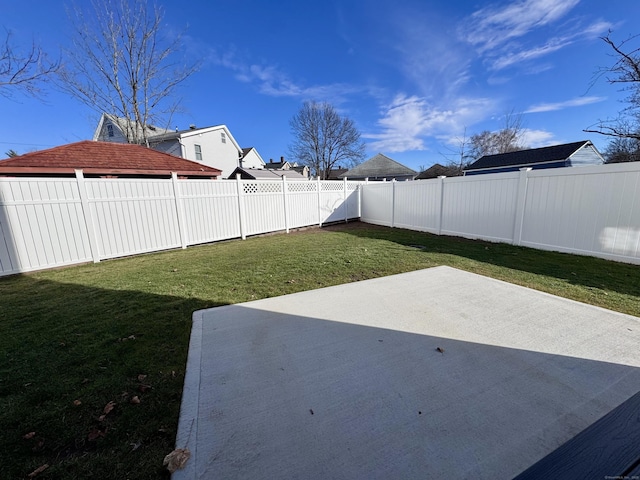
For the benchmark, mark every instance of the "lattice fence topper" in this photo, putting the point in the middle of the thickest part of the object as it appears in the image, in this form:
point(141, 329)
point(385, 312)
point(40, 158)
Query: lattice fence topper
point(332, 186)
point(262, 187)
point(302, 187)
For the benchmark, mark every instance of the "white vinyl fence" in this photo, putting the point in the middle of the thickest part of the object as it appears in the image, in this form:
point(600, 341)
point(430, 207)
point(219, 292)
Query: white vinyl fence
point(51, 222)
point(591, 210)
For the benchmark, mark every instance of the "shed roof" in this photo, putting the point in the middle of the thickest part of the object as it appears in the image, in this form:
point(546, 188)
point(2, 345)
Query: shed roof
point(266, 174)
point(104, 158)
point(437, 170)
point(378, 166)
point(528, 157)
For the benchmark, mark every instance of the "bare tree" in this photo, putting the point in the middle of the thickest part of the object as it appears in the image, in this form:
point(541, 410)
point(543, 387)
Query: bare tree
point(507, 139)
point(122, 64)
point(622, 149)
point(323, 139)
point(626, 73)
point(458, 157)
point(24, 71)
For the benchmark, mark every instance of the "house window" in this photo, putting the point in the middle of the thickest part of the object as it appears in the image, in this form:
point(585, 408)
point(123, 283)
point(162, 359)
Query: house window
point(198, 152)
point(109, 130)
point(223, 137)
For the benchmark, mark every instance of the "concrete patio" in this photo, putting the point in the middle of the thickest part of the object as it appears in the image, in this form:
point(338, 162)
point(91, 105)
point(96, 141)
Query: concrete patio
point(437, 373)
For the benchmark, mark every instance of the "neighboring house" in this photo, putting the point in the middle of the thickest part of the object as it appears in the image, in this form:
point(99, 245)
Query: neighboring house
point(380, 167)
point(104, 159)
point(113, 129)
point(212, 146)
point(266, 174)
point(251, 158)
point(565, 155)
point(334, 173)
point(285, 165)
point(437, 170)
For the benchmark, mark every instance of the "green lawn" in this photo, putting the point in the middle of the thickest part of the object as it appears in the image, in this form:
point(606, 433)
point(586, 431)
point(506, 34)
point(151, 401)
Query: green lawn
point(74, 339)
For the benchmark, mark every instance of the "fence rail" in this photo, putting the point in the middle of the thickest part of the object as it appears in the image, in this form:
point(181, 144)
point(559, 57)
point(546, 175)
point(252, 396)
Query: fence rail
point(52, 222)
point(591, 210)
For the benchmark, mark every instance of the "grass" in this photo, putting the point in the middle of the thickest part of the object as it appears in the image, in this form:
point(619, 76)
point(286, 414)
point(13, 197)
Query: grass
point(74, 339)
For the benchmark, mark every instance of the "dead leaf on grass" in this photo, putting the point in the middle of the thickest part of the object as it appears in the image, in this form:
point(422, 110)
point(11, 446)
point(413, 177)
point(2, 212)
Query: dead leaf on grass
point(29, 436)
point(94, 434)
point(108, 407)
point(141, 377)
point(135, 400)
point(144, 387)
point(38, 470)
point(177, 459)
point(77, 403)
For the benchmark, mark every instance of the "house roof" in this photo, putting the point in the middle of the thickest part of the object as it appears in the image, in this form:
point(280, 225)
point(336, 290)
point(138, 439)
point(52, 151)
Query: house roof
point(104, 158)
point(378, 166)
point(121, 123)
point(437, 170)
point(528, 157)
point(266, 174)
point(334, 173)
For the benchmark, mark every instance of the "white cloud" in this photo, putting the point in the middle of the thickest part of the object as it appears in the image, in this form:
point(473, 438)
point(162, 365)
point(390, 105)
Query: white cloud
point(494, 25)
point(574, 102)
point(409, 120)
point(538, 138)
point(505, 36)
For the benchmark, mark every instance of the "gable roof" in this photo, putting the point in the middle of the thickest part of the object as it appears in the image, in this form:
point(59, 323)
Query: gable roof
point(174, 135)
point(437, 170)
point(121, 123)
point(528, 157)
point(378, 166)
point(104, 158)
point(265, 174)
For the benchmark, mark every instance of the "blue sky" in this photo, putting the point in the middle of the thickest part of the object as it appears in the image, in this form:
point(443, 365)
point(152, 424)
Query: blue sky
point(412, 74)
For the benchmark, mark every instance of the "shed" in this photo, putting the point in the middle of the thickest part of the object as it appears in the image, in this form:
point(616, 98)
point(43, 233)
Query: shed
point(557, 156)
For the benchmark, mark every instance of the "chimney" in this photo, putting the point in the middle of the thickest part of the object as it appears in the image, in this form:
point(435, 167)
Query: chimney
point(271, 160)
point(281, 159)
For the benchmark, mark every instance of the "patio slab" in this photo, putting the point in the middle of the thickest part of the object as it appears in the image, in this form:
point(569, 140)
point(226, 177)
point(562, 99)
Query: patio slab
point(437, 373)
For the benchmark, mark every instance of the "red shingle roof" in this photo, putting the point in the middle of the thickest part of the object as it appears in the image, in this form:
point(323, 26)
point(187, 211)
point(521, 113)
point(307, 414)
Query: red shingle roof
point(104, 158)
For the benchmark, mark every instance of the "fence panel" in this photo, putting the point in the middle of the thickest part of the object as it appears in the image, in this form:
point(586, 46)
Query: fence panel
point(41, 224)
point(588, 210)
point(418, 205)
point(303, 203)
point(210, 210)
point(480, 207)
point(377, 203)
point(263, 206)
point(133, 216)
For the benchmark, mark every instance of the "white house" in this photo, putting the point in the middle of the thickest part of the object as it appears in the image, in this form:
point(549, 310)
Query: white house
point(251, 159)
point(212, 146)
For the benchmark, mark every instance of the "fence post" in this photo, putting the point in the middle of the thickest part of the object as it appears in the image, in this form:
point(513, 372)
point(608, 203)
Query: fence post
point(286, 203)
point(319, 189)
point(179, 210)
point(440, 202)
point(241, 219)
point(88, 220)
point(522, 199)
point(393, 202)
point(344, 200)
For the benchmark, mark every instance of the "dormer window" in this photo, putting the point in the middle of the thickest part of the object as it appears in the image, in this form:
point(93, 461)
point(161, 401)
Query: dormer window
point(223, 137)
point(198, 152)
point(109, 130)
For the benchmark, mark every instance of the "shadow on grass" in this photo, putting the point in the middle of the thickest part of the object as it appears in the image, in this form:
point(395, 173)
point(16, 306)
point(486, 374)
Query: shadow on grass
point(590, 272)
point(67, 350)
